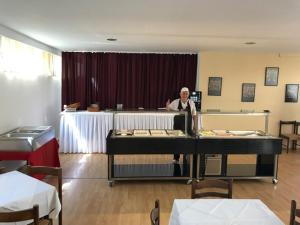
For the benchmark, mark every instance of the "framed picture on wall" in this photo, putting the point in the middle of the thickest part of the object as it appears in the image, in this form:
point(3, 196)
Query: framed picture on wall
point(291, 92)
point(214, 86)
point(271, 76)
point(248, 92)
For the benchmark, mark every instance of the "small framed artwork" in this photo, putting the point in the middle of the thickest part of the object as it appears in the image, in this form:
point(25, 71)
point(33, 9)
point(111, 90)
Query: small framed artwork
point(214, 86)
point(271, 76)
point(291, 92)
point(248, 92)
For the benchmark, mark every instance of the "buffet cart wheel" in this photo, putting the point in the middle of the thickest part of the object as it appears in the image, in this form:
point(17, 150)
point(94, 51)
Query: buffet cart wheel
point(189, 181)
point(274, 181)
point(111, 183)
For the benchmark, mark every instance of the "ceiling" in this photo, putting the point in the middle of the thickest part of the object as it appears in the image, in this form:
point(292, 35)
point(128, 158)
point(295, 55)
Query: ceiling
point(158, 25)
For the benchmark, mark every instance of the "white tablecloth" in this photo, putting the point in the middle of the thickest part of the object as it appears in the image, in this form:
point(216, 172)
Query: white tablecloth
point(84, 132)
point(19, 191)
point(222, 212)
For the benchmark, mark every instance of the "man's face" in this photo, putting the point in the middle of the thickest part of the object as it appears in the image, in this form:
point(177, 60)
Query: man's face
point(184, 96)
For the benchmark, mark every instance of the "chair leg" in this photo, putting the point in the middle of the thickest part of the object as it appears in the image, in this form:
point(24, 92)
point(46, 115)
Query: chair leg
point(287, 145)
point(60, 218)
point(295, 145)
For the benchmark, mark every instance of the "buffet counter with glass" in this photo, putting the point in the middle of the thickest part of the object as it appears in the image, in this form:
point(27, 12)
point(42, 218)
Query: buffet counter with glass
point(86, 132)
point(208, 154)
point(215, 147)
point(240, 154)
point(149, 142)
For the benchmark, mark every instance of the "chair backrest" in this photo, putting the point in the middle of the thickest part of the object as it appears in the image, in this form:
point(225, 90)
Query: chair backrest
point(23, 215)
point(291, 123)
point(294, 213)
point(297, 125)
point(154, 215)
point(53, 171)
point(11, 165)
point(199, 189)
point(2, 170)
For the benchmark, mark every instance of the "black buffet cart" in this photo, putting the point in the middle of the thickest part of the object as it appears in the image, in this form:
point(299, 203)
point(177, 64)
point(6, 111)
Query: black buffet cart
point(265, 148)
point(206, 156)
point(131, 145)
point(197, 149)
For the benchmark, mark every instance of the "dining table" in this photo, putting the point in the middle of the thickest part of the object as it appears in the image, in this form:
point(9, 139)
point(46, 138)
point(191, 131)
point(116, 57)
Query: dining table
point(222, 212)
point(19, 191)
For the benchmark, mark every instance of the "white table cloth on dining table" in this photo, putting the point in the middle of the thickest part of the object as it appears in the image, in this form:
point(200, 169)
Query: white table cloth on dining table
point(19, 191)
point(222, 211)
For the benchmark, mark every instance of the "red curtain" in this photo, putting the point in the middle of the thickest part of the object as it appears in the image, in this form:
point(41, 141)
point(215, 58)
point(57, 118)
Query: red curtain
point(134, 80)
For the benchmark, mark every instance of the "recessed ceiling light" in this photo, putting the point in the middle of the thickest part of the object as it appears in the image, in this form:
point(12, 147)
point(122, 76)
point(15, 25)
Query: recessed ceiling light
point(250, 43)
point(111, 39)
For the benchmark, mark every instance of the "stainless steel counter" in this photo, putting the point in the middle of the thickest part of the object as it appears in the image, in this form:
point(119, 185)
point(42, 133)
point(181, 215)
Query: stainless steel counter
point(27, 138)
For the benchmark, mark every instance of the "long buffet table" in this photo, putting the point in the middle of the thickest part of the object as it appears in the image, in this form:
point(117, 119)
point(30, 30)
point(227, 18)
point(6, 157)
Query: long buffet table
point(130, 145)
point(89, 132)
point(46, 155)
point(266, 148)
point(33, 145)
point(86, 132)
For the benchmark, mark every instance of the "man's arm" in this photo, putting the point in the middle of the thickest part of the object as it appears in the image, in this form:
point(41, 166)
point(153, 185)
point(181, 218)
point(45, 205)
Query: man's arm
point(168, 105)
point(172, 106)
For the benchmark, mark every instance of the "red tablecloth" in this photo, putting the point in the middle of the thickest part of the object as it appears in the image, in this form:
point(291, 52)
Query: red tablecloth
point(46, 155)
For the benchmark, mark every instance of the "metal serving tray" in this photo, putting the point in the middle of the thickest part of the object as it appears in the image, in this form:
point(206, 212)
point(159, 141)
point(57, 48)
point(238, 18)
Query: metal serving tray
point(27, 138)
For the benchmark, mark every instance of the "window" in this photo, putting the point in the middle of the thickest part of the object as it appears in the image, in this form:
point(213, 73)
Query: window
point(24, 61)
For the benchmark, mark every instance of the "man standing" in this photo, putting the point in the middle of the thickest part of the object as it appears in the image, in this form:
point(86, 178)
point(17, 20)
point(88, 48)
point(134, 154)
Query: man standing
point(183, 104)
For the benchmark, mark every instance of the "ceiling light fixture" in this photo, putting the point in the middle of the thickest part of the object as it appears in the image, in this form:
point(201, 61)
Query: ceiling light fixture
point(111, 39)
point(250, 43)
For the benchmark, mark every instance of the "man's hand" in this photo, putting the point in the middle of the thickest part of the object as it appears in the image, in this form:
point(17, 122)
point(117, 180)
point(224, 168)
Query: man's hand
point(167, 104)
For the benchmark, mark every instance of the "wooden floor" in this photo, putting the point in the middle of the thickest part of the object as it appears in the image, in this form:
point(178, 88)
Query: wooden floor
point(87, 198)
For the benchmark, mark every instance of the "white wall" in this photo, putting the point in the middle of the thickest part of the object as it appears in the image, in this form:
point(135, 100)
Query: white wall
point(35, 101)
point(29, 102)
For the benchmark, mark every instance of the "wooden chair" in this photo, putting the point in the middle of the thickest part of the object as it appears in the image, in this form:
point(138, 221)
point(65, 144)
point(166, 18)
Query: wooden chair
point(291, 136)
point(198, 192)
point(294, 213)
point(11, 165)
point(53, 171)
point(23, 215)
point(2, 170)
point(297, 125)
point(154, 215)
